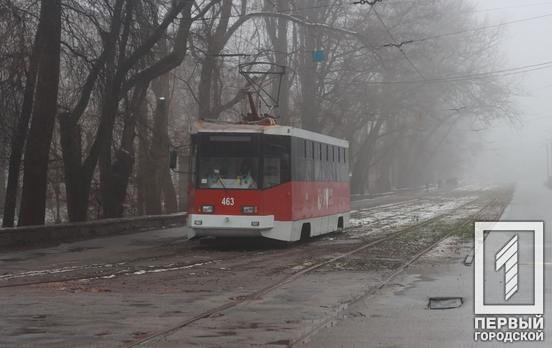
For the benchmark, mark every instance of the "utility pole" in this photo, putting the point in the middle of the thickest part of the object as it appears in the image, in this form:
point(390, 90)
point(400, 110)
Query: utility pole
point(548, 163)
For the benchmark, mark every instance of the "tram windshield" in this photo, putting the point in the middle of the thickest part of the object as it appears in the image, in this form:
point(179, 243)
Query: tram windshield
point(228, 172)
point(228, 162)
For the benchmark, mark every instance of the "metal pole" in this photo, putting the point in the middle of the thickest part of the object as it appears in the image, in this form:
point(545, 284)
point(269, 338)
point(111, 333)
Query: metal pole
point(547, 161)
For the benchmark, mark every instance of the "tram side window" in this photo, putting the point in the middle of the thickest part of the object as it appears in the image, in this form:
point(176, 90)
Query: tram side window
point(307, 172)
point(325, 164)
point(193, 157)
point(271, 171)
point(339, 165)
point(342, 165)
point(335, 169)
point(276, 160)
point(316, 161)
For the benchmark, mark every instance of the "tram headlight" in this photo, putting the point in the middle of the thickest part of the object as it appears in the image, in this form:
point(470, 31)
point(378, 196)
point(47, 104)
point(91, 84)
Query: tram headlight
point(207, 209)
point(249, 209)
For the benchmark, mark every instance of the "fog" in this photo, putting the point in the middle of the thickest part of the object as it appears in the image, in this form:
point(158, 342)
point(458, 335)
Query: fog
point(275, 172)
point(516, 152)
point(439, 92)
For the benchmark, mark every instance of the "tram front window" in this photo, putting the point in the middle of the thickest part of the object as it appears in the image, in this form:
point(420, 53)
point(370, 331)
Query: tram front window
point(228, 161)
point(228, 173)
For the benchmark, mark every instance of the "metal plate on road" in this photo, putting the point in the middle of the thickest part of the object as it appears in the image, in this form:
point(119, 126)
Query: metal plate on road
point(445, 302)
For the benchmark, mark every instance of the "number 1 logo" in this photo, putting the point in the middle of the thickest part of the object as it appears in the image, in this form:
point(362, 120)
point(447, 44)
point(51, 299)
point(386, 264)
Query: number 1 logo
point(507, 258)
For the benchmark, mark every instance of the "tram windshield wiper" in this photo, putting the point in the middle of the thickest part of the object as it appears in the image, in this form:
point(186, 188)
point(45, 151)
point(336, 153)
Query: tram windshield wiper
point(219, 179)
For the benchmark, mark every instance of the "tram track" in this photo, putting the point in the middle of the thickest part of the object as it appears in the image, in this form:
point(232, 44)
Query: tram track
point(373, 290)
point(113, 270)
point(129, 268)
point(420, 205)
point(387, 205)
point(389, 217)
point(255, 295)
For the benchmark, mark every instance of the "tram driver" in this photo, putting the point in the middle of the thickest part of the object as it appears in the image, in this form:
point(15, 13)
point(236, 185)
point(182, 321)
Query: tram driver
point(245, 177)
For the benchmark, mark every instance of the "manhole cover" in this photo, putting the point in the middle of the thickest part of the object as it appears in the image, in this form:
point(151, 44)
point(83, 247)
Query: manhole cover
point(468, 260)
point(445, 302)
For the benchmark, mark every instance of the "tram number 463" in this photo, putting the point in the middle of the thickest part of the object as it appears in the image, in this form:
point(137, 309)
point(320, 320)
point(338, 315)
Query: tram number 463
point(228, 201)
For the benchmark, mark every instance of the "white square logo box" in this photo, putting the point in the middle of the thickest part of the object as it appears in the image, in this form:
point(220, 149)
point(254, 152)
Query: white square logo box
point(535, 227)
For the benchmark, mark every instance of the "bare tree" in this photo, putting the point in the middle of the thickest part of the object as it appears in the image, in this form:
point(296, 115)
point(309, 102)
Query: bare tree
point(40, 103)
point(119, 63)
point(135, 73)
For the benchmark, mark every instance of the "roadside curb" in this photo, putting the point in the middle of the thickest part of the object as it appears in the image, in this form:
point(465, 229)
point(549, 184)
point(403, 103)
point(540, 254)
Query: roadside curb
point(51, 235)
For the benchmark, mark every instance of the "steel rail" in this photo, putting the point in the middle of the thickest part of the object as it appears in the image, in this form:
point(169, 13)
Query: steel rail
point(128, 269)
point(259, 293)
point(373, 290)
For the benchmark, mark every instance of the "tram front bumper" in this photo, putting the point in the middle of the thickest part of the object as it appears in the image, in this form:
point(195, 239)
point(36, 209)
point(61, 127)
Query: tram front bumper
point(209, 224)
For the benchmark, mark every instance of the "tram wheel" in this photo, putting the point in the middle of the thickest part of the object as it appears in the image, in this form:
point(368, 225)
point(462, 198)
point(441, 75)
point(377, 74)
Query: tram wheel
point(305, 232)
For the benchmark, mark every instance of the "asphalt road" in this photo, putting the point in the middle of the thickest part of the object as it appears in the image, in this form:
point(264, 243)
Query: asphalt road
point(162, 290)
point(399, 316)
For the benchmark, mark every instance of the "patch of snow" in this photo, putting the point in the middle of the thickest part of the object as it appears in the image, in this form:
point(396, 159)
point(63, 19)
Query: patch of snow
point(400, 214)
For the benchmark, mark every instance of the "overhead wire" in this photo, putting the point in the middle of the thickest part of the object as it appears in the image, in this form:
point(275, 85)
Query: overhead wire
point(503, 72)
point(398, 47)
point(476, 76)
point(399, 44)
point(486, 27)
point(290, 10)
point(514, 7)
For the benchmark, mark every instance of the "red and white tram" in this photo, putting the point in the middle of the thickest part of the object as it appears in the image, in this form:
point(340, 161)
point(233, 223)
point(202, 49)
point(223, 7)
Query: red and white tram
point(273, 181)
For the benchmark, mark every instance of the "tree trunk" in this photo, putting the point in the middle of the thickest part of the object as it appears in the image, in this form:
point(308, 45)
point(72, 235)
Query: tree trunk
point(161, 88)
point(385, 181)
point(359, 178)
point(2, 184)
point(215, 44)
point(110, 170)
point(20, 133)
point(184, 169)
point(307, 74)
point(204, 88)
point(117, 179)
point(169, 193)
point(142, 180)
point(37, 151)
point(277, 31)
point(156, 153)
point(77, 188)
point(115, 185)
point(361, 167)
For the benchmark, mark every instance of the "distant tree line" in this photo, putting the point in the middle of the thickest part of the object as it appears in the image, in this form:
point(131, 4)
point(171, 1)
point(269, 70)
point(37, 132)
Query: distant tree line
point(93, 94)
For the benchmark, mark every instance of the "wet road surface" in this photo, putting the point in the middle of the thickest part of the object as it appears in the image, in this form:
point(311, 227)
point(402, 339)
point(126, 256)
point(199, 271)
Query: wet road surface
point(158, 289)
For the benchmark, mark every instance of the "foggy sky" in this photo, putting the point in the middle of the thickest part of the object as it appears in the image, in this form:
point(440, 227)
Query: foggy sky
point(515, 152)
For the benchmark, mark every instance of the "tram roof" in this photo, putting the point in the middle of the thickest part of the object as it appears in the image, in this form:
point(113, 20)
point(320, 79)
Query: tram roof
point(212, 127)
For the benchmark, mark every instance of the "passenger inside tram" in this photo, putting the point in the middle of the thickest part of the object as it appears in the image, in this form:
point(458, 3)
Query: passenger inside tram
point(225, 173)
